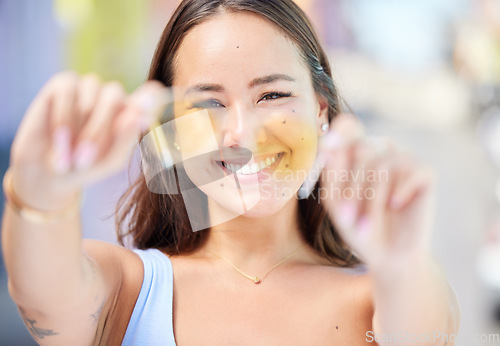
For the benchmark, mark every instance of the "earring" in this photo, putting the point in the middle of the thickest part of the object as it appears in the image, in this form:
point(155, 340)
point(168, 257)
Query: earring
point(325, 127)
point(177, 146)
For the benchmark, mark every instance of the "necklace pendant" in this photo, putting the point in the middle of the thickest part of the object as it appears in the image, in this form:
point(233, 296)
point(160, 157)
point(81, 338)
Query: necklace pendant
point(256, 280)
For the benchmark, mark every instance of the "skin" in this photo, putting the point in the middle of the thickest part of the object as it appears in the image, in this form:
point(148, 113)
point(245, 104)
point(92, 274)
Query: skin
point(212, 55)
point(84, 130)
point(247, 116)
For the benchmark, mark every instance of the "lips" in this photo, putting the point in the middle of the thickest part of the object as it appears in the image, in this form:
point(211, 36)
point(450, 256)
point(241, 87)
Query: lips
point(258, 164)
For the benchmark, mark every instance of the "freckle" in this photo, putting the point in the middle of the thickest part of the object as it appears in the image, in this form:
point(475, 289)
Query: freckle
point(302, 138)
point(284, 121)
point(221, 185)
point(293, 110)
point(287, 165)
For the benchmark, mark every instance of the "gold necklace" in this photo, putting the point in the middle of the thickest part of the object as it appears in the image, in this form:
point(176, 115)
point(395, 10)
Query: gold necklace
point(255, 279)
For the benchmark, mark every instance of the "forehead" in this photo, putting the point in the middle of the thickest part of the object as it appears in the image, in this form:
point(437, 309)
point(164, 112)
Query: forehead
point(239, 44)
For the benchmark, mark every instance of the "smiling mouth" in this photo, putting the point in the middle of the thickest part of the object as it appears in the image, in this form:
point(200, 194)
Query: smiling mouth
point(251, 168)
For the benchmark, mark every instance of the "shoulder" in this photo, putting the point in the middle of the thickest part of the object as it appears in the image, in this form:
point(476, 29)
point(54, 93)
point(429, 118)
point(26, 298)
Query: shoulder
point(122, 269)
point(98, 249)
point(350, 294)
point(112, 257)
point(351, 287)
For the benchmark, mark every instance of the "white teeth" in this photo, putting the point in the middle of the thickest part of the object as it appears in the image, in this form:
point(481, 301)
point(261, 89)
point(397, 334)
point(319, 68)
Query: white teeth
point(254, 168)
point(244, 170)
point(251, 168)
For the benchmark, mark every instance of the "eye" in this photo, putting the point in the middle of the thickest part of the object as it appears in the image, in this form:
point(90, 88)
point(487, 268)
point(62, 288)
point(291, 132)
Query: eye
point(274, 96)
point(211, 103)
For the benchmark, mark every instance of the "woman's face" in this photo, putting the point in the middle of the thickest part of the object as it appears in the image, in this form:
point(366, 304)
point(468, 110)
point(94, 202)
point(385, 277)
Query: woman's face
point(249, 120)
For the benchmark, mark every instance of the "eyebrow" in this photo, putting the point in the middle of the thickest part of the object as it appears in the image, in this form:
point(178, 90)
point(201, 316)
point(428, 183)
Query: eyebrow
point(254, 83)
point(270, 79)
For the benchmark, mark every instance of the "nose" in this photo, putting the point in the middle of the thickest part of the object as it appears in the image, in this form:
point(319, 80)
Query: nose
point(242, 128)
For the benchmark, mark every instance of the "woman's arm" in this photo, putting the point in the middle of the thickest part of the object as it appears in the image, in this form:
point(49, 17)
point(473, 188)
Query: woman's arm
point(387, 219)
point(75, 132)
point(415, 303)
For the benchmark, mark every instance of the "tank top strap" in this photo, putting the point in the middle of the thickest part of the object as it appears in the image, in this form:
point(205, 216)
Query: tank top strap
point(151, 322)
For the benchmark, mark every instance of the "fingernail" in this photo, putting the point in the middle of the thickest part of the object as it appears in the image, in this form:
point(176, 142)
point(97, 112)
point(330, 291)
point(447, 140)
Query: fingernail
point(395, 202)
point(364, 226)
point(62, 163)
point(146, 103)
point(62, 149)
point(347, 214)
point(85, 155)
point(332, 140)
point(145, 122)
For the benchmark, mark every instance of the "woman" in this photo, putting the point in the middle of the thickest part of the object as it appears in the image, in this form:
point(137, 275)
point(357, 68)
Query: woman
point(268, 268)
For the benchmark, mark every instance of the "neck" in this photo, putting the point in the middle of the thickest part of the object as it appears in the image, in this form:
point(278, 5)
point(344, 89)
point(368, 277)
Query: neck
point(256, 244)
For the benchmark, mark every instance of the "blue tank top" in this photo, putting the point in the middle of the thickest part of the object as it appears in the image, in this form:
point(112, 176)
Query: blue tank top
point(151, 321)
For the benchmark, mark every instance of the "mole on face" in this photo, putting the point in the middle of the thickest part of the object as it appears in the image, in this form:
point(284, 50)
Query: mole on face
point(293, 110)
point(284, 121)
point(237, 46)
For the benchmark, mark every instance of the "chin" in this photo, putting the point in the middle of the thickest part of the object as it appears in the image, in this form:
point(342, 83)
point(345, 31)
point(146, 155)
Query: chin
point(266, 208)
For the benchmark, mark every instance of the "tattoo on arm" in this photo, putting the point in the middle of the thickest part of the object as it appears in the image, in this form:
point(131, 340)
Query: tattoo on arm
point(96, 314)
point(38, 333)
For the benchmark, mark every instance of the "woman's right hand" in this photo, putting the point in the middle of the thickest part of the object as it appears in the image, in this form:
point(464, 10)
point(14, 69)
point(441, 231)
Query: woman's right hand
point(77, 131)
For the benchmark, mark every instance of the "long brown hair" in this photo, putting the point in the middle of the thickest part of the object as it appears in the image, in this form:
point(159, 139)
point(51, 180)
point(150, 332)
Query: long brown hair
point(160, 220)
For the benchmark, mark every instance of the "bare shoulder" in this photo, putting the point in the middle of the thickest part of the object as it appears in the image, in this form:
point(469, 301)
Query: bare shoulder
point(350, 295)
point(111, 255)
point(121, 269)
point(356, 280)
point(350, 289)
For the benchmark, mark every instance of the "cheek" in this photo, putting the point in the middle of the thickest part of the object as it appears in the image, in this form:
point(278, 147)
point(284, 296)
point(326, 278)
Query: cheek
point(295, 127)
point(194, 135)
point(298, 137)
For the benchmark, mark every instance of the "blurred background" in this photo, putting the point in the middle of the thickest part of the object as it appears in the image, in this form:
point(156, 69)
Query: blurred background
point(426, 73)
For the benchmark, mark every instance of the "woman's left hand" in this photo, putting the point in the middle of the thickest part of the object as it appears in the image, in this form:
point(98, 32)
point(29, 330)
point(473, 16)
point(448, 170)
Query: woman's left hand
point(379, 198)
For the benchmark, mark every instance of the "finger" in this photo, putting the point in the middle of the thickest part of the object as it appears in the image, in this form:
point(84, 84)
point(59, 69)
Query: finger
point(144, 105)
point(347, 126)
point(362, 179)
point(359, 193)
point(63, 88)
point(35, 125)
point(348, 166)
point(136, 116)
point(345, 129)
point(337, 149)
point(62, 110)
point(377, 150)
point(381, 184)
point(370, 229)
point(95, 138)
point(88, 91)
point(406, 189)
point(382, 145)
